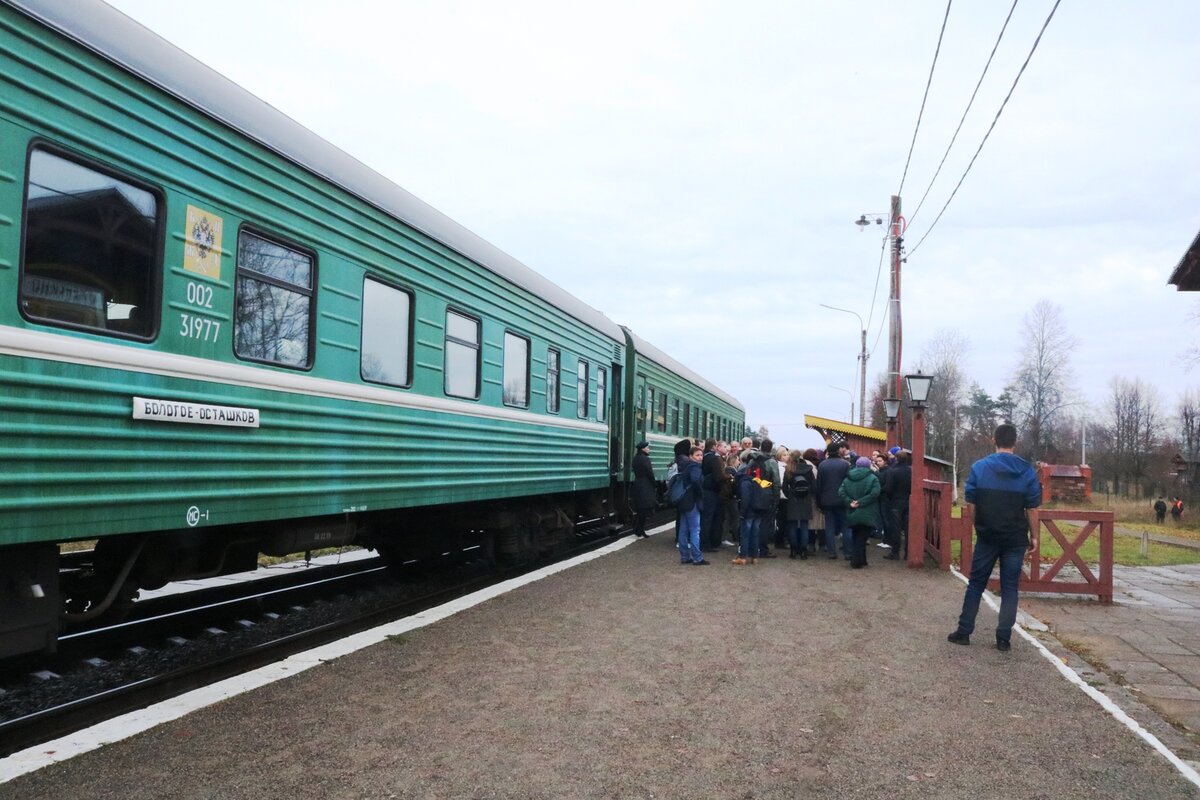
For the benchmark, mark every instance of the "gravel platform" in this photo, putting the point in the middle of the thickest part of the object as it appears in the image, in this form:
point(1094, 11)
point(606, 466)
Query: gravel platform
point(634, 677)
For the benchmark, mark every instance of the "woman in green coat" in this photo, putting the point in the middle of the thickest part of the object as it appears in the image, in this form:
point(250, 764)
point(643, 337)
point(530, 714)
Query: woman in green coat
point(860, 492)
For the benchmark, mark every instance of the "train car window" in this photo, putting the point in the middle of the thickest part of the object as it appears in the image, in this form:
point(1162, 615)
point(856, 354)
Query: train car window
point(272, 310)
point(516, 370)
point(92, 243)
point(687, 419)
point(661, 416)
point(462, 356)
point(704, 429)
point(553, 377)
point(581, 389)
point(601, 393)
point(386, 334)
point(675, 418)
point(650, 406)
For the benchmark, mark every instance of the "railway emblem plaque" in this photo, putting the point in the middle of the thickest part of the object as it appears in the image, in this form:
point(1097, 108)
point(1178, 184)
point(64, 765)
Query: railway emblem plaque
point(202, 243)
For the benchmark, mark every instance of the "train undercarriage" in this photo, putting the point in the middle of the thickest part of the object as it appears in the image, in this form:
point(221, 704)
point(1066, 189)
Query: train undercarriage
point(42, 591)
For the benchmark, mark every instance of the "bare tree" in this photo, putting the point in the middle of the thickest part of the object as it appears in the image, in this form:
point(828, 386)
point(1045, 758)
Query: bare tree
point(1041, 381)
point(1133, 436)
point(1188, 429)
point(943, 358)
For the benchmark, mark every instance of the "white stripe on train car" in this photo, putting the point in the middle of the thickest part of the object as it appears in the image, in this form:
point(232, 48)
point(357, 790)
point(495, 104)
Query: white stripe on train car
point(132, 358)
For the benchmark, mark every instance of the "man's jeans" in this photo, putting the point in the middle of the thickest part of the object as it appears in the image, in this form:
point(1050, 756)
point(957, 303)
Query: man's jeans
point(751, 527)
point(689, 536)
point(835, 523)
point(986, 555)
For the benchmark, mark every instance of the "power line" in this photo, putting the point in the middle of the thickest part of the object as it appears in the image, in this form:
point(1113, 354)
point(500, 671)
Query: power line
point(878, 273)
point(992, 126)
point(928, 82)
point(970, 102)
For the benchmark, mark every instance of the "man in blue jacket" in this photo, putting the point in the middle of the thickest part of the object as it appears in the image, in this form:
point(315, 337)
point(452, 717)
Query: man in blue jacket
point(1002, 487)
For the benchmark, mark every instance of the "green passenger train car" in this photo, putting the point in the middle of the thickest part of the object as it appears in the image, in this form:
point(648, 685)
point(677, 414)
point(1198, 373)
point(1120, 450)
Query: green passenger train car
point(221, 336)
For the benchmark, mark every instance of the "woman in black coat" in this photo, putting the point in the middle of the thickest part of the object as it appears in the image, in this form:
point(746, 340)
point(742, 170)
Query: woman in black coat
point(897, 486)
point(643, 497)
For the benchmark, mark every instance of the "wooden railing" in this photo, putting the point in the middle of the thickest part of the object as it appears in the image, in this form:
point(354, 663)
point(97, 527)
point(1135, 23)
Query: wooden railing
point(941, 528)
point(1093, 524)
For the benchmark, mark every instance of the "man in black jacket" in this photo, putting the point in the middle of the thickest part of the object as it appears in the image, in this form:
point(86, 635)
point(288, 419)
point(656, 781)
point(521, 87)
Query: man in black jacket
point(1002, 487)
point(897, 487)
point(830, 474)
point(712, 471)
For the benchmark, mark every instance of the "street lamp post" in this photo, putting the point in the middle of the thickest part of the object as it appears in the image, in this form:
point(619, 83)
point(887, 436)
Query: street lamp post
point(891, 410)
point(918, 393)
point(848, 394)
point(862, 359)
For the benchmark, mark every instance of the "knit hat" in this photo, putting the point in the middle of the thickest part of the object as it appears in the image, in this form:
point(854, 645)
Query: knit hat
point(863, 462)
point(894, 450)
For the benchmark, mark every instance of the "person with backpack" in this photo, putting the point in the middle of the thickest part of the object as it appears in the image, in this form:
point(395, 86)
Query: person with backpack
point(756, 493)
point(860, 492)
point(1160, 510)
point(772, 474)
point(1176, 509)
point(798, 480)
point(684, 492)
point(830, 474)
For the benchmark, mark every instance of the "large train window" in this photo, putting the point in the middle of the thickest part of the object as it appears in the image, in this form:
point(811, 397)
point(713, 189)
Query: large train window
point(675, 418)
point(687, 420)
point(386, 334)
point(273, 308)
point(553, 375)
point(516, 370)
point(581, 390)
point(91, 249)
point(601, 393)
point(660, 416)
point(462, 356)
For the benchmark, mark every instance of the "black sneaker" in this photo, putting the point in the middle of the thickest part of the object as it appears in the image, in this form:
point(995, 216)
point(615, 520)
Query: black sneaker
point(959, 638)
point(702, 562)
point(1003, 646)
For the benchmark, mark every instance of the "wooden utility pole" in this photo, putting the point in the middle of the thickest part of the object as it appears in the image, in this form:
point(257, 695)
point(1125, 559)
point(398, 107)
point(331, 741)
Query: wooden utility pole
point(894, 330)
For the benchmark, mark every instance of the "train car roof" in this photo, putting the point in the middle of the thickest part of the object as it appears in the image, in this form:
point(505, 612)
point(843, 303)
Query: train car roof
point(663, 360)
point(118, 38)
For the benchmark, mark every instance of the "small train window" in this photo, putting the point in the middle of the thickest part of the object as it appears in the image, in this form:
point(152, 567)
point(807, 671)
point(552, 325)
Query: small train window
point(660, 417)
point(386, 334)
point(553, 375)
point(601, 393)
point(272, 313)
point(675, 418)
point(91, 249)
point(581, 390)
point(462, 356)
point(516, 370)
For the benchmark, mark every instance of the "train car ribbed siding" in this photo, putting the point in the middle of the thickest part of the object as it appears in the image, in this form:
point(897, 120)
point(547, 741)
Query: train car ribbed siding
point(77, 465)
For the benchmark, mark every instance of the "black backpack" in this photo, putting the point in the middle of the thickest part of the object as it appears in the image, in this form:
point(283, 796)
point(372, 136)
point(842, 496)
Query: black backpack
point(800, 487)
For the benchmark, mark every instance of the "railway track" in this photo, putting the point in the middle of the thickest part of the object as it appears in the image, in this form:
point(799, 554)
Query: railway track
point(188, 641)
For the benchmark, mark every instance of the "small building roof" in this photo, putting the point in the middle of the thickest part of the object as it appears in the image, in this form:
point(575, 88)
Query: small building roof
point(821, 425)
point(1186, 276)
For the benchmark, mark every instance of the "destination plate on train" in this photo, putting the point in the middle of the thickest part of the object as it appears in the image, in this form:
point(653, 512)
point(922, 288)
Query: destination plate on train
point(194, 413)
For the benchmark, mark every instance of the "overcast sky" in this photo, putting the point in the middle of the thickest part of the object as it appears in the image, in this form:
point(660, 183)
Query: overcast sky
point(694, 169)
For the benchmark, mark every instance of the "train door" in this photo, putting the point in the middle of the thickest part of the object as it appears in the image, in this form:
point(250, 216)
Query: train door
point(640, 415)
point(616, 405)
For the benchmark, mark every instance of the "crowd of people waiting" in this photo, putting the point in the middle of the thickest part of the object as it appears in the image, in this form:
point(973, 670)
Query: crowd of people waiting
point(752, 493)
